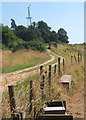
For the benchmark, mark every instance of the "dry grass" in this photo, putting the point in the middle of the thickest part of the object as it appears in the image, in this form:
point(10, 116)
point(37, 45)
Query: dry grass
point(74, 97)
point(21, 59)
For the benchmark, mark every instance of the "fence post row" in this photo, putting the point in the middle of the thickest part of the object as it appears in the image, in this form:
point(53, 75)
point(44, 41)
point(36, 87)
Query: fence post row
point(11, 97)
point(59, 66)
point(31, 95)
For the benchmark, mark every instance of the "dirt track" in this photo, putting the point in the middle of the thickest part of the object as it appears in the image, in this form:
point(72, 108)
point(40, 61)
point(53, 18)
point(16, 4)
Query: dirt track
point(13, 77)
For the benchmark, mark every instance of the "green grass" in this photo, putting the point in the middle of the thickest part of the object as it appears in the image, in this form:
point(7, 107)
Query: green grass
point(50, 63)
point(14, 62)
point(58, 91)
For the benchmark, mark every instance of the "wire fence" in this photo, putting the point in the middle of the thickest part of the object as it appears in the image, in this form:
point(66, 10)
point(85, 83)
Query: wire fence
point(31, 100)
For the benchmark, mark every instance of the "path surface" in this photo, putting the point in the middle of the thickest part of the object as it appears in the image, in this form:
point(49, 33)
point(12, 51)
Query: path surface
point(20, 75)
point(13, 77)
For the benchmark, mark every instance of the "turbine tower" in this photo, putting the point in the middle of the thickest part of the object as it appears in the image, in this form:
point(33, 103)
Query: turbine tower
point(28, 17)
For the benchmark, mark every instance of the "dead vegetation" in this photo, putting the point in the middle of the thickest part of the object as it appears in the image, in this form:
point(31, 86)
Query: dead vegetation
point(74, 97)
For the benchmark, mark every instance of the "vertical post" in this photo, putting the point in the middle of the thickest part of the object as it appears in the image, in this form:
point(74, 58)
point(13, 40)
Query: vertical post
point(12, 99)
point(49, 78)
point(55, 69)
point(81, 57)
point(71, 59)
point(63, 64)
point(41, 70)
point(50, 75)
point(31, 95)
point(75, 58)
point(64, 102)
point(17, 116)
point(78, 57)
point(59, 66)
point(42, 86)
point(34, 112)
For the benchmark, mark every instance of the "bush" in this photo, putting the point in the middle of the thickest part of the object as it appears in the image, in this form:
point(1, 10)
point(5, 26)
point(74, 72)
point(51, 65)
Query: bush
point(35, 45)
point(16, 45)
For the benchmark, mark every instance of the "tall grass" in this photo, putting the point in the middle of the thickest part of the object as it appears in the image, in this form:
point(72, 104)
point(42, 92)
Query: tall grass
point(22, 59)
point(58, 91)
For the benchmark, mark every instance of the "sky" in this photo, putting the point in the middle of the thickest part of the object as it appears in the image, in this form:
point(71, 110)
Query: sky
point(67, 15)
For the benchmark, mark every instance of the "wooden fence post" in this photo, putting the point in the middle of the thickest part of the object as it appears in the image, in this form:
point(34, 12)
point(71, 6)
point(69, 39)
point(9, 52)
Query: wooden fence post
point(78, 57)
point(71, 59)
point(42, 85)
point(49, 77)
point(41, 70)
point(63, 64)
point(11, 97)
point(75, 58)
point(55, 69)
point(34, 112)
point(59, 66)
point(17, 116)
point(31, 95)
point(81, 57)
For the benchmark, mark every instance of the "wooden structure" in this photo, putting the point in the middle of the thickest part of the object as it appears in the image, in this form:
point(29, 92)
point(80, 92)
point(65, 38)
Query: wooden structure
point(66, 81)
point(55, 110)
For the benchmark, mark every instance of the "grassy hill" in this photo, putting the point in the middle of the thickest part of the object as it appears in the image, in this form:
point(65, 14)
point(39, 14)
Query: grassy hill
point(22, 59)
point(74, 97)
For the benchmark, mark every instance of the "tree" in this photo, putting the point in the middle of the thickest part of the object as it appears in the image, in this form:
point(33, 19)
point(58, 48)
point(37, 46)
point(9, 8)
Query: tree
point(33, 33)
point(36, 45)
point(53, 37)
point(45, 31)
point(16, 45)
point(7, 35)
point(13, 24)
point(22, 32)
point(62, 36)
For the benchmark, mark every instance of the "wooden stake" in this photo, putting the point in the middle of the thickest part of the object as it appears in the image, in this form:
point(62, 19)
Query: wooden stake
point(11, 97)
point(31, 95)
point(55, 69)
point(63, 64)
point(41, 70)
point(59, 66)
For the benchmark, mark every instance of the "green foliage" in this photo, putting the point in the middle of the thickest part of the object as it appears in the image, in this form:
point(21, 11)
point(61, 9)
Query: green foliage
point(13, 24)
point(36, 44)
point(62, 36)
point(45, 31)
point(7, 35)
point(16, 45)
point(34, 37)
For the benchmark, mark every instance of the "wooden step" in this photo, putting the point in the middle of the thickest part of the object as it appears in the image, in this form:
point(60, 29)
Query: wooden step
point(54, 117)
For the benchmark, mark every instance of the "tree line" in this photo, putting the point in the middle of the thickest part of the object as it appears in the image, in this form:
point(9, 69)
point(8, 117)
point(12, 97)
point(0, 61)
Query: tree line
point(34, 37)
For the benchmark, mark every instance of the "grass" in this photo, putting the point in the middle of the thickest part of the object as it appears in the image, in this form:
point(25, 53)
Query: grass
point(50, 63)
point(58, 91)
point(22, 59)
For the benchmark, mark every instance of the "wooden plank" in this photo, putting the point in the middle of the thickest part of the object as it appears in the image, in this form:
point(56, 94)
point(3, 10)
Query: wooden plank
point(54, 117)
point(66, 80)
